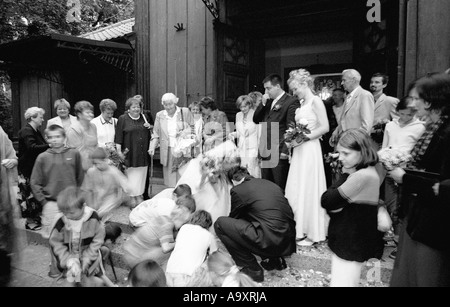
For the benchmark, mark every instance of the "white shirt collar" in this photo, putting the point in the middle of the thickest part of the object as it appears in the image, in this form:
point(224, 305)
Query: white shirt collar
point(174, 116)
point(276, 99)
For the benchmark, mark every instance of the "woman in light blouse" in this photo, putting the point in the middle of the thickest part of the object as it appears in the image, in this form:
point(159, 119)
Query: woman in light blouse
point(170, 123)
point(63, 118)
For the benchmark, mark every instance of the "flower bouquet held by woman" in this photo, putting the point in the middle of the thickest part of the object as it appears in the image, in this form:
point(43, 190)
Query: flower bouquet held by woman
point(114, 158)
point(297, 133)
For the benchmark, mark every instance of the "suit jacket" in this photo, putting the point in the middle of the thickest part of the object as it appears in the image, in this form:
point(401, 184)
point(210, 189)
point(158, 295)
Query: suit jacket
point(358, 112)
point(31, 144)
point(262, 203)
point(282, 113)
point(385, 108)
point(160, 135)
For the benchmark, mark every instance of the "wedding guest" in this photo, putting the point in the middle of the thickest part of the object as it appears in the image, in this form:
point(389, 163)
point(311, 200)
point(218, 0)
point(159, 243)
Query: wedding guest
point(384, 111)
point(31, 144)
point(186, 266)
point(215, 124)
point(257, 98)
point(82, 135)
point(156, 239)
point(423, 257)
point(55, 169)
point(132, 141)
point(147, 274)
point(358, 107)
point(277, 109)
point(105, 186)
point(384, 105)
point(198, 126)
point(105, 122)
point(247, 135)
point(8, 182)
point(63, 118)
point(170, 124)
point(352, 203)
point(261, 223)
point(224, 272)
point(306, 180)
point(400, 134)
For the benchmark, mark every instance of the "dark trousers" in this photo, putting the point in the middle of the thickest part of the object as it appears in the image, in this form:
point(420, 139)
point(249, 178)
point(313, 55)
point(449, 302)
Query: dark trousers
point(278, 174)
point(240, 238)
point(5, 268)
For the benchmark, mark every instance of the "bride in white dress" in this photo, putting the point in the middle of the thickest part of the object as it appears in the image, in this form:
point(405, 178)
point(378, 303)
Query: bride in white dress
point(306, 179)
point(207, 177)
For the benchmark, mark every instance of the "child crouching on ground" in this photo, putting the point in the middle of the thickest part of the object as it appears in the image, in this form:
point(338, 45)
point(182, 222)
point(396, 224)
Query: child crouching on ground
point(105, 185)
point(186, 266)
point(224, 272)
point(76, 241)
point(161, 204)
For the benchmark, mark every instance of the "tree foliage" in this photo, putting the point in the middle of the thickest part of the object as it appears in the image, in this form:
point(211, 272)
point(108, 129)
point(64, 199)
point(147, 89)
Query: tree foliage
point(24, 18)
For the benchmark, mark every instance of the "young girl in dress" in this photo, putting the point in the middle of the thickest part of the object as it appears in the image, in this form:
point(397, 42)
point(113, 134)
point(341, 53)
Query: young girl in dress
point(352, 203)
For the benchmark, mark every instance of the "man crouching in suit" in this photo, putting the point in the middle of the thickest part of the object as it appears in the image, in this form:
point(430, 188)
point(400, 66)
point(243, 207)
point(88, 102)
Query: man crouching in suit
point(261, 223)
point(275, 113)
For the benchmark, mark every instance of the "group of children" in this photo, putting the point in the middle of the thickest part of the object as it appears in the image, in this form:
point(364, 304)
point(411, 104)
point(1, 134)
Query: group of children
point(176, 237)
point(171, 240)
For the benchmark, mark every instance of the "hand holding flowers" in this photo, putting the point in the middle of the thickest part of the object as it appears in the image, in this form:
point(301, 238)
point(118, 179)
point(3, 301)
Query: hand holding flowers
point(297, 133)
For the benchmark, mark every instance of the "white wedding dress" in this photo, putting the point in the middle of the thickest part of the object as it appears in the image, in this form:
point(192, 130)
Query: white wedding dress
point(306, 183)
point(212, 197)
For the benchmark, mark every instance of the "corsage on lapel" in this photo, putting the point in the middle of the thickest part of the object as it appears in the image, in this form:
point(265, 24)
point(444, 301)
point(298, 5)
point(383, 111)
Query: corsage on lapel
point(276, 108)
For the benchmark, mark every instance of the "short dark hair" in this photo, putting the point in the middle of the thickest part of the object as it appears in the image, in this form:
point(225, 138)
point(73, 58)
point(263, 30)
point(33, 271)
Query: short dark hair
point(98, 153)
point(274, 79)
point(182, 189)
point(187, 201)
point(434, 89)
point(112, 232)
point(360, 140)
point(339, 89)
point(53, 128)
point(201, 218)
point(208, 103)
point(82, 105)
point(237, 173)
point(132, 100)
point(385, 78)
point(71, 197)
point(404, 104)
point(147, 273)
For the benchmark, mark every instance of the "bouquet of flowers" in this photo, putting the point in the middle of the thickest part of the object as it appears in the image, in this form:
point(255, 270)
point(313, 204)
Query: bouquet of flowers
point(182, 151)
point(392, 158)
point(296, 134)
point(114, 158)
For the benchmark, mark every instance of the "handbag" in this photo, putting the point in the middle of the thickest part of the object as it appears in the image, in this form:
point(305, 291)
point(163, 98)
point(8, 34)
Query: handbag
point(384, 219)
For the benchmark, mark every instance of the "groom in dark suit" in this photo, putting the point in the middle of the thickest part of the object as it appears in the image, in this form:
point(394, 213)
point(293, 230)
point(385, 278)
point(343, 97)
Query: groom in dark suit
point(261, 222)
point(275, 113)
